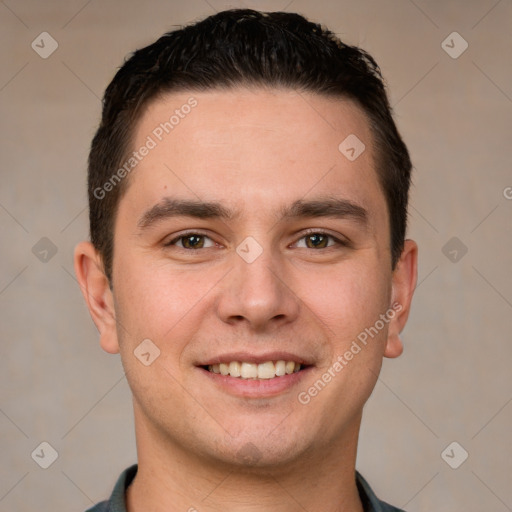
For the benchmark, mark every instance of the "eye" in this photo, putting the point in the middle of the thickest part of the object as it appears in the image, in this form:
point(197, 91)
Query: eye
point(318, 240)
point(192, 241)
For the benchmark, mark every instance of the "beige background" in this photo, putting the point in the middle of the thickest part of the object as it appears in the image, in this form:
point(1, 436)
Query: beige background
point(453, 382)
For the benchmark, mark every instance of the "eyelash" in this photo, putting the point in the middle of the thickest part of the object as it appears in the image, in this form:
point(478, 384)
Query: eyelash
point(185, 235)
point(338, 241)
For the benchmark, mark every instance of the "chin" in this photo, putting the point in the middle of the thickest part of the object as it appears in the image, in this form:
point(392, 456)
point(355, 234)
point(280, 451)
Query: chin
point(263, 451)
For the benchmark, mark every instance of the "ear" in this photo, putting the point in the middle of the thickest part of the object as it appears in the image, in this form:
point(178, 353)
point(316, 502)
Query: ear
point(97, 293)
point(402, 289)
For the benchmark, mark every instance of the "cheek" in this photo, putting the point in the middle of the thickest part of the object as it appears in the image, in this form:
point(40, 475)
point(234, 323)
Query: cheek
point(350, 298)
point(351, 301)
point(155, 302)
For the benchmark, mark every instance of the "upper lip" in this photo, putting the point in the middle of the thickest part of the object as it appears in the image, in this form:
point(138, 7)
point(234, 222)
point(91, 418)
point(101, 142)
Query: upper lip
point(248, 357)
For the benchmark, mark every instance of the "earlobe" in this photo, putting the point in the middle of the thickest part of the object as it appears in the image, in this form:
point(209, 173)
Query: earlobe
point(97, 293)
point(394, 346)
point(403, 284)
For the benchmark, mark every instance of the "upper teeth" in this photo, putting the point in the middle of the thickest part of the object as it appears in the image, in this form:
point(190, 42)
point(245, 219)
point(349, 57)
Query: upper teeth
point(267, 370)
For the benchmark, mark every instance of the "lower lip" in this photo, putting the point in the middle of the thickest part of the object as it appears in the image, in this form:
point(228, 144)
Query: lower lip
point(256, 388)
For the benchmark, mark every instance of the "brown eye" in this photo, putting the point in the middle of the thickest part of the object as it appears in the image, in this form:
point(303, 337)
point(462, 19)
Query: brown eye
point(320, 240)
point(316, 241)
point(192, 241)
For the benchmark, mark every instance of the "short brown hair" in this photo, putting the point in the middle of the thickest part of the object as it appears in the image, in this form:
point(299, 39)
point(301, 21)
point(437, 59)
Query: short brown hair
point(235, 48)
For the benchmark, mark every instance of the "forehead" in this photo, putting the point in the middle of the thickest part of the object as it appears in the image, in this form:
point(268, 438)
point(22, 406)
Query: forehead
point(253, 148)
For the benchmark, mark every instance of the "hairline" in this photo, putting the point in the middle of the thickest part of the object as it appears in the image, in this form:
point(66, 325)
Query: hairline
point(252, 86)
point(377, 154)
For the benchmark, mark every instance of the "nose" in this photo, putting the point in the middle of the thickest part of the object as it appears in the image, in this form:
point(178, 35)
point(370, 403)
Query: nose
point(258, 294)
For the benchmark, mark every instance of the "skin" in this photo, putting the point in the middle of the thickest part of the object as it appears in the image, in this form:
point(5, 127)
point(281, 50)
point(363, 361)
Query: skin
point(255, 152)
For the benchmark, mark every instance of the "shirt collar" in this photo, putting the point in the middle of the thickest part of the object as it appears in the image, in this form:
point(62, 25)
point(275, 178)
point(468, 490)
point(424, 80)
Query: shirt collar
point(371, 503)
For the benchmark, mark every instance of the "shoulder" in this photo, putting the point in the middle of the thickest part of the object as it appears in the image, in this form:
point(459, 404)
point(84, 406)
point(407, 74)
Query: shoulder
point(117, 501)
point(370, 501)
point(99, 507)
point(386, 507)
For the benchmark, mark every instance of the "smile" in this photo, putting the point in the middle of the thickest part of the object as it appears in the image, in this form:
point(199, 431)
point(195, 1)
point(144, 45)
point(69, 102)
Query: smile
point(266, 370)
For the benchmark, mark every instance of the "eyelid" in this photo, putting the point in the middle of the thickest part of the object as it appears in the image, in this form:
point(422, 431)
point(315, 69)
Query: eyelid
point(186, 233)
point(339, 239)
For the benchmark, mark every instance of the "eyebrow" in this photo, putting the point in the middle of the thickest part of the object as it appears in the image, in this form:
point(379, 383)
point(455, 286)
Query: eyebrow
point(170, 207)
point(328, 207)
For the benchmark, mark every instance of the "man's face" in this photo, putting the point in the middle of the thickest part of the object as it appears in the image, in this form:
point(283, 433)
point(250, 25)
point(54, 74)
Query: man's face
point(289, 260)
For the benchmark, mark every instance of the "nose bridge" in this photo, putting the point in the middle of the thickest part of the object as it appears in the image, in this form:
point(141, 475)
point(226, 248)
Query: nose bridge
point(255, 290)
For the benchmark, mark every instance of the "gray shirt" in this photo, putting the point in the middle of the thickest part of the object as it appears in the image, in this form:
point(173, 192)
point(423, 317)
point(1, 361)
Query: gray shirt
point(117, 502)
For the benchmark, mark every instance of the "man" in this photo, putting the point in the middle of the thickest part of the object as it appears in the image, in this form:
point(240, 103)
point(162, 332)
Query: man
point(248, 199)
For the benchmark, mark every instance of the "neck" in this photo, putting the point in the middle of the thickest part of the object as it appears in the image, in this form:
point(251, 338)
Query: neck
point(171, 479)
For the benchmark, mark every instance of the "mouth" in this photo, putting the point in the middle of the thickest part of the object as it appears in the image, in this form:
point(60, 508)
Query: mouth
point(256, 371)
point(250, 375)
